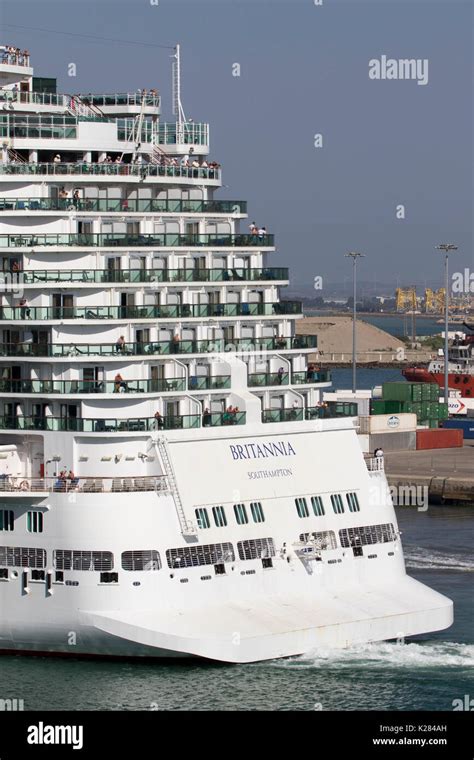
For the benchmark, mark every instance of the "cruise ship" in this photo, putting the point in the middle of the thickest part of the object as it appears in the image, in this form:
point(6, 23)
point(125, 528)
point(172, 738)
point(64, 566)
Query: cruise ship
point(172, 483)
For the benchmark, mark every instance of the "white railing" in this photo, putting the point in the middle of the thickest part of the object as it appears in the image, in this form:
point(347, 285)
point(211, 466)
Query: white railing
point(19, 484)
point(375, 464)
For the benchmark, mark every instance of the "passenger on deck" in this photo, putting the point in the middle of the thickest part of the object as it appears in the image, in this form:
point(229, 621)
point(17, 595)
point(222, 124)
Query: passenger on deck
point(159, 421)
point(120, 345)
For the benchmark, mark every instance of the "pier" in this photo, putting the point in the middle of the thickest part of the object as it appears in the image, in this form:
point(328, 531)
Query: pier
point(447, 473)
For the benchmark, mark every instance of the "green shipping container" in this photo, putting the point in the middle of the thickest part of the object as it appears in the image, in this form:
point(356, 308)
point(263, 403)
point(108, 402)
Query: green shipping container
point(434, 387)
point(416, 391)
point(443, 412)
point(425, 391)
point(397, 391)
point(434, 423)
point(386, 407)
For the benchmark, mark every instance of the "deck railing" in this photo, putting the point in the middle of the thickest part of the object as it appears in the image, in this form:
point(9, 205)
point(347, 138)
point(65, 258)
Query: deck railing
point(141, 171)
point(137, 425)
point(163, 347)
point(172, 311)
point(150, 275)
point(22, 485)
point(123, 205)
point(167, 240)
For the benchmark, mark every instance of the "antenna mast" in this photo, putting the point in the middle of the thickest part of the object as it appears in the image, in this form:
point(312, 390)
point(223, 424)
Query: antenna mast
point(176, 82)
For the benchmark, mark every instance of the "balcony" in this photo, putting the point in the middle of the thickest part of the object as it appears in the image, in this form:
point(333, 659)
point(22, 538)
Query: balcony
point(185, 311)
point(20, 486)
point(34, 98)
point(163, 133)
point(208, 383)
point(329, 410)
point(138, 425)
point(89, 386)
point(267, 378)
point(43, 127)
point(86, 170)
point(283, 415)
point(307, 377)
point(119, 205)
point(95, 276)
point(121, 99)
point(160, 348)
point(166, 240)
point(13, 58)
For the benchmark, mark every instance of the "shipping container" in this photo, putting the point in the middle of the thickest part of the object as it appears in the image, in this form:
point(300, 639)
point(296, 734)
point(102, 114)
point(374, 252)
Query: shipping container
point(387, 423)
point(425, 391)
point(403, 441)
point(434, 388)
point(439, 439)
point(397, 391)
point(466, 426)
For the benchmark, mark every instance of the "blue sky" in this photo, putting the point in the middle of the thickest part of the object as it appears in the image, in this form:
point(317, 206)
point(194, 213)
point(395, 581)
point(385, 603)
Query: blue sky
point(304, 71)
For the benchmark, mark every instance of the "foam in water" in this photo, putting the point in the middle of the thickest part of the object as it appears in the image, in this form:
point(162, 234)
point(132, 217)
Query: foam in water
point(379, 655)
point(419, 558)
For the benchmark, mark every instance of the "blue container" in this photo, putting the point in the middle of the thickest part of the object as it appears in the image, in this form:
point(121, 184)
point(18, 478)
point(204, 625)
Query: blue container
point(467, 426)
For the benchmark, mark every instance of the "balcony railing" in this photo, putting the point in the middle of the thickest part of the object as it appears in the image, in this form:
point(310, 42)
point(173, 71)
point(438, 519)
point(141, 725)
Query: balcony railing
point(375, 465)
point(140, 424)
point(129, 241)
point(212, 382)
point(14, 59)
point(122, 205)
point(283, 415)
point(267, 378)
point(92, 386)
point(43, 127)
point(315, 376)
point(34, 98)
point(160, 348)
point(151, 275)
point(189, 133)
point(20, 485)
point(141, 171)
point(328, 410)
point(120, 99)
point(185, 311)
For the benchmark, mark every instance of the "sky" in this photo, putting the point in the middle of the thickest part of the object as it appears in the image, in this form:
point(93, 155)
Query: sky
point(394, 174)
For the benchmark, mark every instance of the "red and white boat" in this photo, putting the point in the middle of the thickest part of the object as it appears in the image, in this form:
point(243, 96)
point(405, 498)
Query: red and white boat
point(461, 369)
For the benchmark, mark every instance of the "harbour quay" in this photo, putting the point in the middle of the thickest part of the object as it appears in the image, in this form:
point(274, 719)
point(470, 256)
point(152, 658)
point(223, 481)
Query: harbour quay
point(448, 474)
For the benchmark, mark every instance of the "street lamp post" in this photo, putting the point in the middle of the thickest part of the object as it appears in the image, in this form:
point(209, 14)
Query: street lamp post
point(447, 248)
point(354, 256)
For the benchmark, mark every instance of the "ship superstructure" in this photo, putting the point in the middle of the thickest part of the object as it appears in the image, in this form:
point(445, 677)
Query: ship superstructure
point(171, 482)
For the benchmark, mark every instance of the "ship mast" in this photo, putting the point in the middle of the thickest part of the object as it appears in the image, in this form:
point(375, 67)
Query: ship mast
point(176, 86)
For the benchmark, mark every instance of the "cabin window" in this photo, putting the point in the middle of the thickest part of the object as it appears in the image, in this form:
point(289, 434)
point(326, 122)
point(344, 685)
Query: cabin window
point(22, 556)
point(141, 560)
point(6, 519)
point(337, 504)
point(257, 511)
point(240, 513)
point(256, 548)
point(193, 556)
point(365, 535)
point(219, 517)
point(67, 559)
point(202, 518)
point(302, 507)
point(34, 522)
point(353, 502)
point(318, 506)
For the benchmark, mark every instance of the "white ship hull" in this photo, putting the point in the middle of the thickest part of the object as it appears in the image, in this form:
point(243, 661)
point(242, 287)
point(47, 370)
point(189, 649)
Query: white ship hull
point(305, 600)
